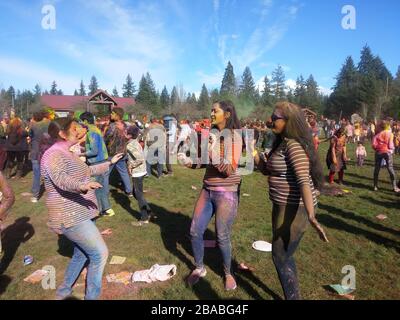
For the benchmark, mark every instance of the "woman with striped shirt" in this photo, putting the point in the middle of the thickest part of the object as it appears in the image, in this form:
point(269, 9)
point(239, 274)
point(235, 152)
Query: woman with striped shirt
point(72, 206)
point(219, 195)
point(295, 175)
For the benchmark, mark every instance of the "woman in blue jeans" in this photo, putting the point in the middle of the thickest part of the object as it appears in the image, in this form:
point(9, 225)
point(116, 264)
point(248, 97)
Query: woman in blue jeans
point(219, 195)
point(72, 206)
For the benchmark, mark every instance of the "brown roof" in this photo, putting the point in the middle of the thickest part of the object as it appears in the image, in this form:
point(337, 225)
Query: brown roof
point(65, 103)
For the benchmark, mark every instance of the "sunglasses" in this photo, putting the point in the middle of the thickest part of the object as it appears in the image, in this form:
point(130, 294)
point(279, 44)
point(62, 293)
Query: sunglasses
point(274, 117)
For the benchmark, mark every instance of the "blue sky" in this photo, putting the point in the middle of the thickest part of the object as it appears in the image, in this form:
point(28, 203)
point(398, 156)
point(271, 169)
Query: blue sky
point(188, 42)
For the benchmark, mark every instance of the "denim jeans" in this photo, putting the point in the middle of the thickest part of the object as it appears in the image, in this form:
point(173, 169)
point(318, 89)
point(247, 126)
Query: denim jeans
point(88, 246)
point(159, 169)
point(224, 205)
point(103, 202)
point(138, 191)
point(389, 164)
point(123, 172)
point(36, 178)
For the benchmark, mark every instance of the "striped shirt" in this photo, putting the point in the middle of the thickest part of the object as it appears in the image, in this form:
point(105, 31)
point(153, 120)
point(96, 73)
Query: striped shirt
point(64, 173)
point(288, 168)
point(223, 176)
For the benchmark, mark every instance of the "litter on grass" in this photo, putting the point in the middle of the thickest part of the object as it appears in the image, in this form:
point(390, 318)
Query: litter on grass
point(28, 260)
point(381, 217)
point(121, 277)
point(262, 246)
point(37, 276)
point(155, 273)
point(107, 232)
point(117, 260)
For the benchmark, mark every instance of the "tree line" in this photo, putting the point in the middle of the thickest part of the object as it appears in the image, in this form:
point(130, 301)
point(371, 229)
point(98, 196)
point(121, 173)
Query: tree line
point(368, 89)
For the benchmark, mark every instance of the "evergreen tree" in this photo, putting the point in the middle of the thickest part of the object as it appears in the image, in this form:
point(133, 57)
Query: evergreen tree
point(147, 94)
point(175, 97)
point(164, 98)
point(214, 95)
point(76, 93)
point(37, 90)
point(344, 98)
point(228, 86)
point(115, 92)
point(312, 94)
point(290, 96)
point(128, 89)
point(203, 103)
point(300, 91)
point(266, 97)
point(82, 91)
point(53, 90)
point(93, 86)
point(248, 88)
point(60, 92)
point(278, 83)
point(374, 83)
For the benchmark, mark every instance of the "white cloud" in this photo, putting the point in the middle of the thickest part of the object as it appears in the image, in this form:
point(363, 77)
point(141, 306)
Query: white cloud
point(124, 40)
point(290, 84)
point(216, 5)
point(263, 38)
point(325, 91)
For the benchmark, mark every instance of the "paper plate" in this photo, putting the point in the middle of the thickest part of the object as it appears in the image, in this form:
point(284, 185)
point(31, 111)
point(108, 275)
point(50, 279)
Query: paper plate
point(262, 246)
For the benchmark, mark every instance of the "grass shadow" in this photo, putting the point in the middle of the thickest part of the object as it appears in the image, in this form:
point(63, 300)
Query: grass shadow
point(125, 202)
point(4, 283)
point(172, 225)
point(12, 237)
point(341, 225)
point(358, 218)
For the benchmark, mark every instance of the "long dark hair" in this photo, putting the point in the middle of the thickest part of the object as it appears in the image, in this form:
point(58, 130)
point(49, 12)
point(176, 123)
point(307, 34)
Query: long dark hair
point(59, 124)
point(227, 106)
point(298, 129)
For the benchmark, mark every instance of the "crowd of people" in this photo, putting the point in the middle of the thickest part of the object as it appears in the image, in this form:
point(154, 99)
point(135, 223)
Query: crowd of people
point(75, 157)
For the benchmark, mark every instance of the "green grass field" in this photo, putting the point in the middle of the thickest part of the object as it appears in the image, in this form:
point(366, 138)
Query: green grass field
point(356, 237)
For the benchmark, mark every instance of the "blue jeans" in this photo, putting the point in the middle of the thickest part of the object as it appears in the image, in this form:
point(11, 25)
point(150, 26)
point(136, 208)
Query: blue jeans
point(36, 178)
point(139, 195)
point(88, 246)
point(124, 174)
point(224, 205)
point(103, 202)
point(159, 169)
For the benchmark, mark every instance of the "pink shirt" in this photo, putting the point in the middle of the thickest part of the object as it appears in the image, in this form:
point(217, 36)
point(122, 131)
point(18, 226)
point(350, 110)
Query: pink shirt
point(360, 151)
point(383, 142)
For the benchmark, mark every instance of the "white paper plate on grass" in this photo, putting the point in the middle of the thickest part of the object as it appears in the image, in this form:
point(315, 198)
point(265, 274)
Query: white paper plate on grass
point(262, 246)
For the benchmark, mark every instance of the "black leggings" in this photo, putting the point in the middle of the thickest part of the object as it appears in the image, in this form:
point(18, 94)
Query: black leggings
point(288, 225)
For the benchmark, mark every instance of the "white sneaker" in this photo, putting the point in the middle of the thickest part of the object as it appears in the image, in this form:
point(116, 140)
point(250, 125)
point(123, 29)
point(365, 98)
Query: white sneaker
point(34, 199)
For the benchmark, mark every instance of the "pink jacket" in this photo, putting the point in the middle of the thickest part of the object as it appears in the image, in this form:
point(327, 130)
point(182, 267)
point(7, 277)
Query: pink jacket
point(383, 142)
